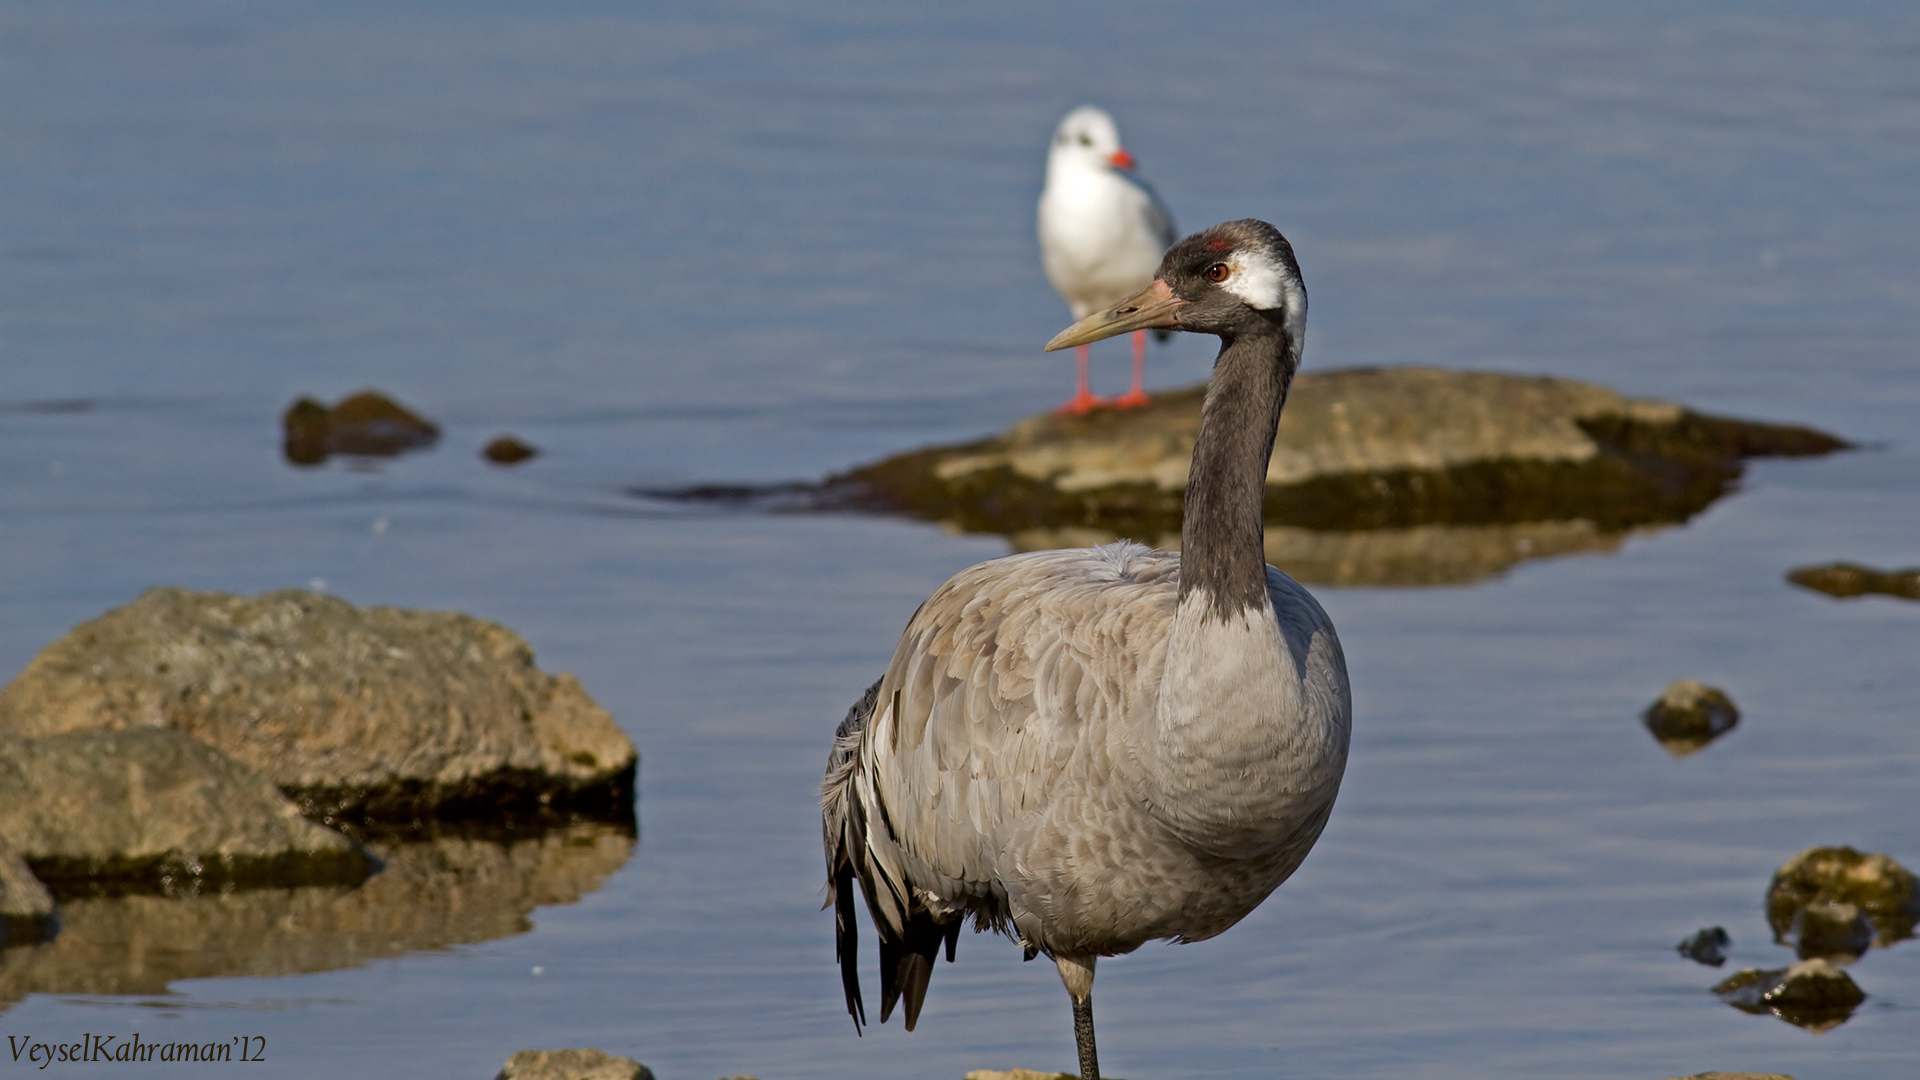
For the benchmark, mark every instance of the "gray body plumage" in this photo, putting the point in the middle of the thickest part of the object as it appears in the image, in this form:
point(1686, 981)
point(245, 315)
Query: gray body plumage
point(1092, 749)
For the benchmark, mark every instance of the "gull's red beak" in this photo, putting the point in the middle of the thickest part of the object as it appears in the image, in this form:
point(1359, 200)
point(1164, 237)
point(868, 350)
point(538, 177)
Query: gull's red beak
point(1120, 159)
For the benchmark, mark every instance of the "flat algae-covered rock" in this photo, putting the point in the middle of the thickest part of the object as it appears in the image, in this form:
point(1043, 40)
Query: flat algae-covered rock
point(572, 1064)
point(26, 908)
point(1812, 994)
point(1357, 449)
point(429, 894)
point(359, 714)
point(1845, 580)
point(154, 810)
point(1827, 881)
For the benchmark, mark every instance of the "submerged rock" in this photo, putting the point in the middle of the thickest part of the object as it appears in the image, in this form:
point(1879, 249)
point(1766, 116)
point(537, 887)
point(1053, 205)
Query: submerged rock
point(1839, 932)
point(1848, 580)
point(366, 424)
point(1832, 878)
point(507, 450)
point(1736, 1076)
point(154, 810)
point(1707, 947)
point(1812, 994)
point(1689, 715)
point(1357, 449)
point(431, 894)
point(26, 908)
point(581, 1064)
point(361, 715)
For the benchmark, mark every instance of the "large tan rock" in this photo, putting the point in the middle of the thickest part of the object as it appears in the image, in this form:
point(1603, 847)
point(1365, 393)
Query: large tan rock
point(357, 713)
point(155, 809)
point(572, 1064)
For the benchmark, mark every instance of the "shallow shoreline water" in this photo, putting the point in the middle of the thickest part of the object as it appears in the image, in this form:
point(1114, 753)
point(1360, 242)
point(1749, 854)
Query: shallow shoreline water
point(739, 244)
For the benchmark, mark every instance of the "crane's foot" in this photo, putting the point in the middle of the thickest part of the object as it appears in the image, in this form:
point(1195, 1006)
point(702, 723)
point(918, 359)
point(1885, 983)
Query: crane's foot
point(1081, 404)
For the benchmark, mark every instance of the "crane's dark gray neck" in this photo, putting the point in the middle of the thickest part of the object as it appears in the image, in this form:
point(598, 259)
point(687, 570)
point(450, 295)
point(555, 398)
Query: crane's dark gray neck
point(1221, 539)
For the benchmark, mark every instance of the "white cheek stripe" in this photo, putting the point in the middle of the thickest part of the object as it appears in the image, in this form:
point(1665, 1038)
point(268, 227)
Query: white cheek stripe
point(1258, 281)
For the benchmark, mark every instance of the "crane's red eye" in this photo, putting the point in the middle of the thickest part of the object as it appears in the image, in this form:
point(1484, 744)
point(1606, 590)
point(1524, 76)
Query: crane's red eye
point(1219, 272)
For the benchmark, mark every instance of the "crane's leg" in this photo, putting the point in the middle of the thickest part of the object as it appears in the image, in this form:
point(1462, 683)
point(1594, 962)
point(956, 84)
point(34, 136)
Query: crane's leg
point(1077, 973)
point(1136, 395)
point(1083, 400)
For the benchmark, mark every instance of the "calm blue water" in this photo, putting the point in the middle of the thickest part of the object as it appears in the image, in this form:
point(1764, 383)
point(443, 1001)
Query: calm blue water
point(739, 242)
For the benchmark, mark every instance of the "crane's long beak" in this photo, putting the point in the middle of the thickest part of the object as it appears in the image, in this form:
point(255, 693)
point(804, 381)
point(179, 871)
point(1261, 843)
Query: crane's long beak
point(1152, 308)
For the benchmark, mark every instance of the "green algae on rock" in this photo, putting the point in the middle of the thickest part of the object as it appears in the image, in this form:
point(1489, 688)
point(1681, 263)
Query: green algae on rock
point(1357, 449)
point(1883, 890)
point(1398, 477)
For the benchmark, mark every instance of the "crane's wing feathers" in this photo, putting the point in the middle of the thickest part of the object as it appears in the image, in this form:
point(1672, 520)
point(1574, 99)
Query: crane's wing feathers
point(987, 701)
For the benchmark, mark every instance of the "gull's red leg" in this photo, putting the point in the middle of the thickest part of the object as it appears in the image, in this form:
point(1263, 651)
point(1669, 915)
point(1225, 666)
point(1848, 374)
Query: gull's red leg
point(1083, 400)
point(1136, 395)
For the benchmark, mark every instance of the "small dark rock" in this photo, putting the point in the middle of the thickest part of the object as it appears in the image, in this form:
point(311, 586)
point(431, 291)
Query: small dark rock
point(1885, 892)
point(367, 424)
point(1848, 580)
point(572, 1064)
point(1718, 1075)
point(1812, 994)
point(1707, 947)
point(507, 450)
point(1690, 715)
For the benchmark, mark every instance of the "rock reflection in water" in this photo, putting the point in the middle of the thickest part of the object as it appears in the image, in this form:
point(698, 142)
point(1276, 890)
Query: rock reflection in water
point(430, 895)
point(1421, 555)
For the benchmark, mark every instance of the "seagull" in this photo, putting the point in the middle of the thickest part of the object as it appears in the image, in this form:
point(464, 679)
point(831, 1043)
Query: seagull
point(1102, 232)
point(1088, 750)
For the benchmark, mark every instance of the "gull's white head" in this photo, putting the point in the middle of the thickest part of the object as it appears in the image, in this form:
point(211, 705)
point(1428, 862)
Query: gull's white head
point(1088, 138)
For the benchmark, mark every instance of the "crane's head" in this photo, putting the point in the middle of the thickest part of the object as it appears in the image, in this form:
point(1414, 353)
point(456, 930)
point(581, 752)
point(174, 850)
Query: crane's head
point(1087, 137)
point(1235, 278)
